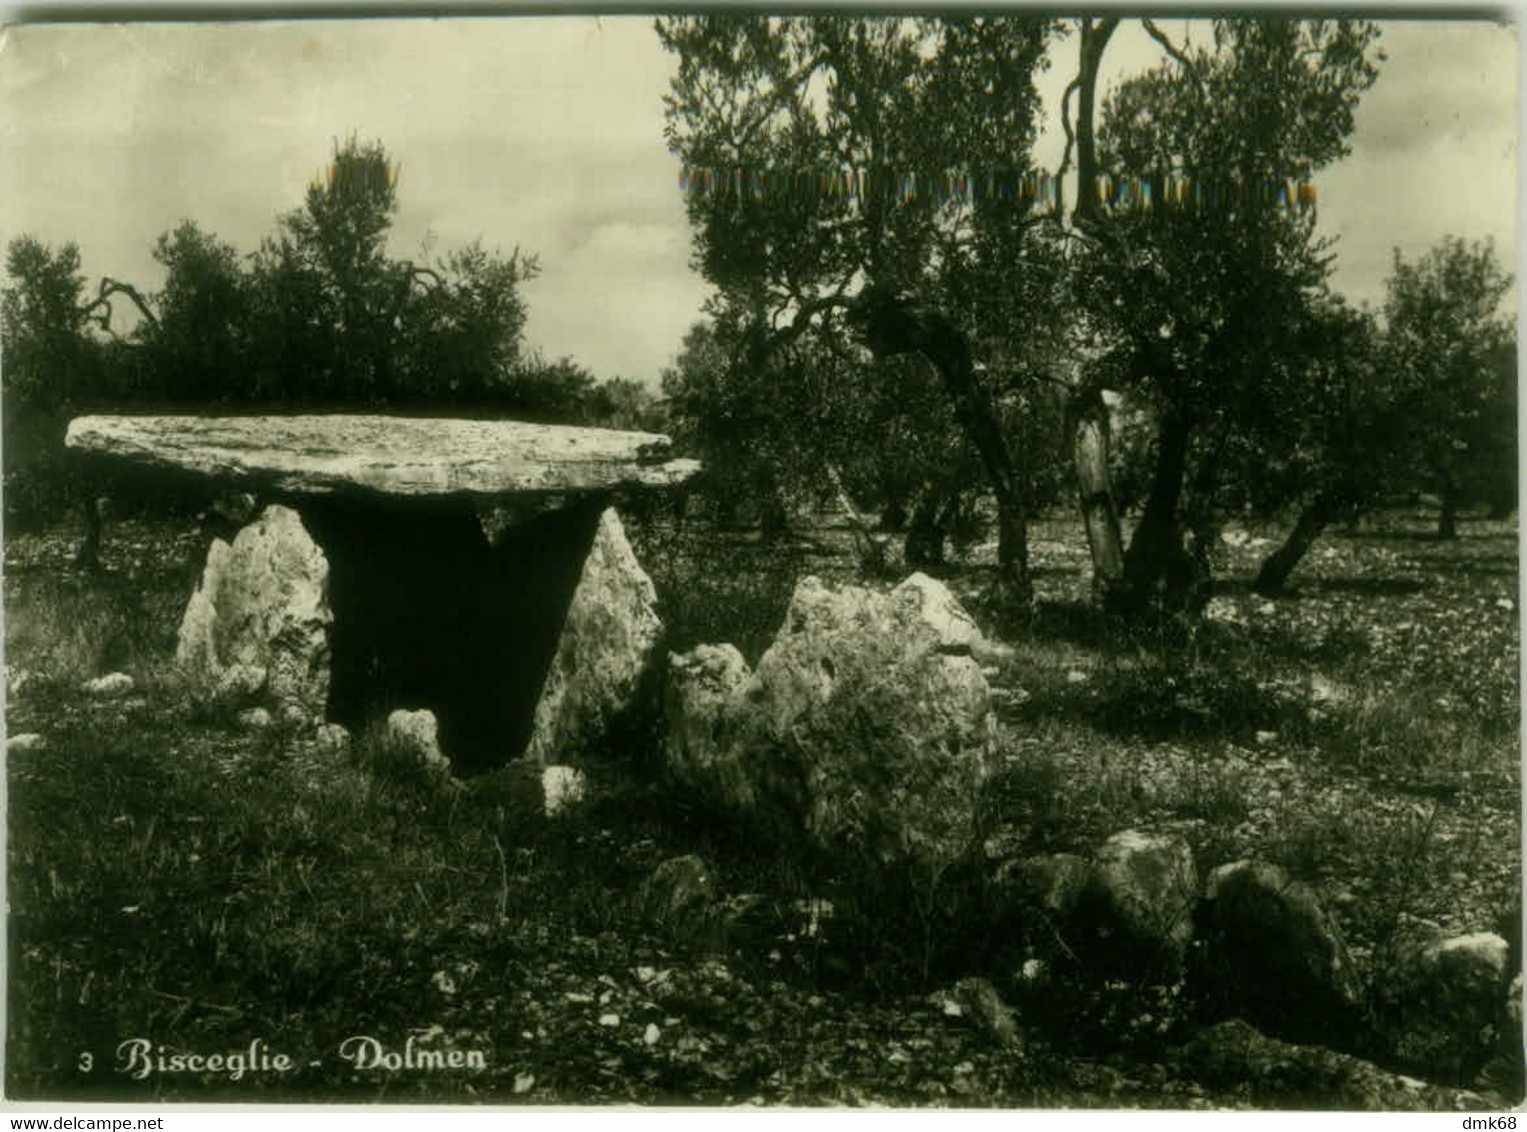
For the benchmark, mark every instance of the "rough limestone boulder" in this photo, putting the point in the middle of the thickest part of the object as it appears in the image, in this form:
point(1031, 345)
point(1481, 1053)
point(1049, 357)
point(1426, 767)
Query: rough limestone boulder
point(415, 737)
point(1441, 1001)
point(1233, 1057)
point(1276, 956)
point(679, 889)
point(979, 1002)
point(917, 633)
point(562, 787)
point(606, 643)
point(105, 687)
point(701, 704)
point(1141, 900)
point(260, 617)
point(867, 723)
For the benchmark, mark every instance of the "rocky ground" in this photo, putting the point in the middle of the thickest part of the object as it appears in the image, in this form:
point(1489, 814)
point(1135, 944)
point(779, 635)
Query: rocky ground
point(179, 876)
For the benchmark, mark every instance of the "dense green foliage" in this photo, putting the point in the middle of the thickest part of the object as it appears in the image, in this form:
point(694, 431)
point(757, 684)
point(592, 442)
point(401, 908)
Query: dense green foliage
point(1204, 298)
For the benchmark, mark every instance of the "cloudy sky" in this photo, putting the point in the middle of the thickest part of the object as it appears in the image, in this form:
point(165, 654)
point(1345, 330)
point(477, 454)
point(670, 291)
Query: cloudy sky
point(546, 133)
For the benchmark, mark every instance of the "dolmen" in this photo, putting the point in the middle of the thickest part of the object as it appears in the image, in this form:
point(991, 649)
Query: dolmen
point(474, 569)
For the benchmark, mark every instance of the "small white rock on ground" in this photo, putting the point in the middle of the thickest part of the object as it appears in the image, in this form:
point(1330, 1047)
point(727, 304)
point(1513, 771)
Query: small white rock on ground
point(416, 734)
point(254, 719)
point(561, 787)
point(112, 684)
point(332, 738)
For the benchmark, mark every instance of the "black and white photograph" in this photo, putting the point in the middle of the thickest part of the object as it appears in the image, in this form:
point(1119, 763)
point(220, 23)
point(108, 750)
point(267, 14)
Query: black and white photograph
point(915, 559)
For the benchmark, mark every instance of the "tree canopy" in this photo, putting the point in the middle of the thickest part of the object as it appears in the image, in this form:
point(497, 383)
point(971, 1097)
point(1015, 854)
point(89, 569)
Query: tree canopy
point(323, 315)
point(868, 182)
point(1450, 348)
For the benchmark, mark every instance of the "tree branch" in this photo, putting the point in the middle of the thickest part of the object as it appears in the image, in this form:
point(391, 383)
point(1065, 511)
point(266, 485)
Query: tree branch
point(429, 273)
point(1094, 40)
point(1065, 122)
point(102, 302)
point(1189, 68)
point(764, 344)
point(1171, 48)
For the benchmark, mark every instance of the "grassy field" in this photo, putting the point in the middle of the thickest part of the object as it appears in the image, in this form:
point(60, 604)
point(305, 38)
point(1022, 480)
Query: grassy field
point(176, 880)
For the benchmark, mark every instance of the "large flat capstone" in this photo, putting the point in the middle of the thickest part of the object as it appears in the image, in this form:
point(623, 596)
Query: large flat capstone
point(471, 569)
point(412, 457)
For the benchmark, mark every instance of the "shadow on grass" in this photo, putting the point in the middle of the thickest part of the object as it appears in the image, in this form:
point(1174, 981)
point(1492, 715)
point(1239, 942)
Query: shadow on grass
point(1492, 565)
point(1361, 587)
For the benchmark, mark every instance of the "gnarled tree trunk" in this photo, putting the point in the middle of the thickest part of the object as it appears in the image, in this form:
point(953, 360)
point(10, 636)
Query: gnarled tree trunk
point(893, 516)
point(1277, 566)
point(1088, 420)
point(925, 534)
point(1447, 521)
point(893, 326)
point(88, 556)
point(1154, 562)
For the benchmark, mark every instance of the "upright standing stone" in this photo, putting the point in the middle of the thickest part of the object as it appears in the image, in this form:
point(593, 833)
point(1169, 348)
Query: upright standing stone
point(867, 722)
point(605, 645)
point(259, 619)
point(1440, 1000)
point(1279, 958)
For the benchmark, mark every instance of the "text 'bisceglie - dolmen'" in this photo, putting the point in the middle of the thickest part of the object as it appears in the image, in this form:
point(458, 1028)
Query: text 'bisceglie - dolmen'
point(473, 569)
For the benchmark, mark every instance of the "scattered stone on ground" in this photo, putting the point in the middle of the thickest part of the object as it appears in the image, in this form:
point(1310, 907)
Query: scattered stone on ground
point(17, 679)
point(986, 1011)
point(563, 787)
point(606, 643)
point(254, 719)
point(1441, 1003)
point(416, 736)
point(1276, 956)
point(1506, 1070)
point(262, 607)
point(677, 889)
point(332, 738)
point(867, 723)
point(1267, 1072)
point(1144, 888)
point(23, 743)
point(112, 684)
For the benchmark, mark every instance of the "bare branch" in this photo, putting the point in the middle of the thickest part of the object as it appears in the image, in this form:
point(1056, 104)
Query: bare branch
point(99, 309)
point(1172, 49)
point(416, 273)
